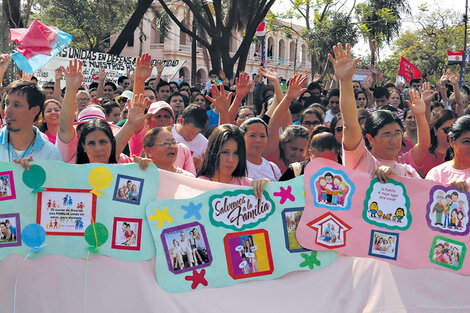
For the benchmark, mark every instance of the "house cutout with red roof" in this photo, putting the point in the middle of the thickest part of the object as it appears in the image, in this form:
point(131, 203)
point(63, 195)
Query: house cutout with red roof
point(331, 231)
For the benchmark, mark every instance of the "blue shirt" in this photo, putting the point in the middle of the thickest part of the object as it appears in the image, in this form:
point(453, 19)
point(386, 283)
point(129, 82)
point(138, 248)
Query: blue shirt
point(41, 149)
point(213, 118)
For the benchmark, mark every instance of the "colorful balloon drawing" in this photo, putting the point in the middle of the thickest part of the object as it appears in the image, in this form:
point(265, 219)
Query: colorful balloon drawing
point(33, 235)
point(34, 178)
point(100, 178)
point(96, 235)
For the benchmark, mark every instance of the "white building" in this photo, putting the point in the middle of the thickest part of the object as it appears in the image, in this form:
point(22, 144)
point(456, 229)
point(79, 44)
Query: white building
point(280, 51)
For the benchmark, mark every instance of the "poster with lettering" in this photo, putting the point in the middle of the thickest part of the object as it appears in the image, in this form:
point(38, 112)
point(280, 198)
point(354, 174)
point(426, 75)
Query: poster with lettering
point(227, 236)
point(114, 65)
point(413, 223)
point(65, 207)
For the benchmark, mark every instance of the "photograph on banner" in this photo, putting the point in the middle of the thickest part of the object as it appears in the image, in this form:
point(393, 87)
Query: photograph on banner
point(447, 252)
point(7, 186)
point(127, 233)
point(290, 219)
point(66, 211)
point(383, 244)
point(248, 254)
point(447, 210)
point(186, 247)
point(128, 189)
point(387, 205)
point(10, 230)
point(332, 189)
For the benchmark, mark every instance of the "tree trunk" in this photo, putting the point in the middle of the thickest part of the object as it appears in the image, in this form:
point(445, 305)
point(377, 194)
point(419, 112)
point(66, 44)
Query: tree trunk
point(11, 11)
point(121, 41)
point(372, 51)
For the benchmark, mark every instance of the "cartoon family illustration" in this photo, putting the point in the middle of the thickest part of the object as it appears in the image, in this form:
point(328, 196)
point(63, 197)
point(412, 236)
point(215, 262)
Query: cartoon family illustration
point(446, 253)
point(128, 191)
point(376, 213)
point(331, 189)
point(449, 211)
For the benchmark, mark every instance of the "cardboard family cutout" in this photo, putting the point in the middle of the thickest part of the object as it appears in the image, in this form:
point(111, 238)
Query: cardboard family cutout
point(67, 201)
point(408, 222)
point(227, 236)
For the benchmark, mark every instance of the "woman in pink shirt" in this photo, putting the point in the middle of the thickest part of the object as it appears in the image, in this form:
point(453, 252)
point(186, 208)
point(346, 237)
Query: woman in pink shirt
point(456, 172)
point(378, 152)
point(50, 119)
point(225, 159)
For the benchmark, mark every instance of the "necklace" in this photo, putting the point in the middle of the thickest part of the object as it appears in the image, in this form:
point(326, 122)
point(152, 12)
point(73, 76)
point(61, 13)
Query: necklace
point(24, 152)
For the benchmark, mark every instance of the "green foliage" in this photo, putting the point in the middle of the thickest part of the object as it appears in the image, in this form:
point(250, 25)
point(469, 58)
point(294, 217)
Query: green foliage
point(91, 22)
point(427, 47)
point(380, 21)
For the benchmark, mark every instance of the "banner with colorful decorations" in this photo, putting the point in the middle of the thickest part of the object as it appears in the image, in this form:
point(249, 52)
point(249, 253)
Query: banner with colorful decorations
point(227, 236)
point(114, 65)
point(63, 209)
point(408, 222)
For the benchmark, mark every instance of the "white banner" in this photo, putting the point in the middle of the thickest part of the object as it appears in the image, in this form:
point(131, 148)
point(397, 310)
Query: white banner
point(114, 65)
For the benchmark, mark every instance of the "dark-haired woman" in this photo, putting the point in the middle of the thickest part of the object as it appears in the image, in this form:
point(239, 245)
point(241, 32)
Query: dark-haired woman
point(440, 127)
point(383, 129)
point(255, 133)
point(225, 159)
point(50, 119)
point(96, 143)
point(321, 144)
point(456, 172)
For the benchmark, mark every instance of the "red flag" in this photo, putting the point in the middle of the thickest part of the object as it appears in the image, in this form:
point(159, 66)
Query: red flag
point(34, 40)
point(408, 70)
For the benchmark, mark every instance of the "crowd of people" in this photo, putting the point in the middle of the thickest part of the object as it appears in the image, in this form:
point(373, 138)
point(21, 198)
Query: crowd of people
point(245, 132)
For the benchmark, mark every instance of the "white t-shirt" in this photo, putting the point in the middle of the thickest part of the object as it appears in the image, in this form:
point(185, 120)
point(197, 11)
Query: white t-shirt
point(197, 146)
point(328, 116)
point(265, 170)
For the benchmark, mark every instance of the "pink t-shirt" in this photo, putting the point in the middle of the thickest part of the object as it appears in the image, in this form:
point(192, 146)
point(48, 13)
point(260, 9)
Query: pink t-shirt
point(183, 160)
point(240, 181)
point(50, 137)
point(445, 174)
point(275, 157)
point(361, 159)
point(429, 162)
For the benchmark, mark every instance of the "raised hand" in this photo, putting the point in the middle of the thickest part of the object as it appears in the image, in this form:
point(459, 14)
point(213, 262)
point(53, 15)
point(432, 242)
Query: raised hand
point(243, 84)
point(268, 73)
point(220, 100)
point(428, 93)
point(24, 76)
point(160, 67)
point(317, 77)
point(143, 69)
point(367, 82)
point(417, 104)
point(344, 66)
point(58, 73)
point(295, 86)
point(73, 74)
point(101, 74)
point(136, 107)
point(4, 60)
point(454, 80)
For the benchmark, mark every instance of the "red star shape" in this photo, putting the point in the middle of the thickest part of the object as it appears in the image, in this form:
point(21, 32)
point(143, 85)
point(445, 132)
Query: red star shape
point(197, 278)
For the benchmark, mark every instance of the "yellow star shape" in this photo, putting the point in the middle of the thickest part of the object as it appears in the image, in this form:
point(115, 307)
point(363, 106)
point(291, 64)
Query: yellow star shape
point(161, 217)
point(303, 192)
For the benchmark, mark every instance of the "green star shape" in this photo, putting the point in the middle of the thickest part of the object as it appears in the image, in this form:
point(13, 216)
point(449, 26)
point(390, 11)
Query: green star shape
point(310, 260)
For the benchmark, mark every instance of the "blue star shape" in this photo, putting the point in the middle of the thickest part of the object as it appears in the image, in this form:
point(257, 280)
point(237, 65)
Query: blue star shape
point(192, 210)
point(310, 260)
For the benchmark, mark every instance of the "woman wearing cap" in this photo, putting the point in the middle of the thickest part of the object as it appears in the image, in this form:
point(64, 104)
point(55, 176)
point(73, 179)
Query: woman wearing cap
point(160, 114)
point(161, 148)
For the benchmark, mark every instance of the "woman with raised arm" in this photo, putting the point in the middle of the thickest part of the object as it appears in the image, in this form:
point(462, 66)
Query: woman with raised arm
point(378, 152)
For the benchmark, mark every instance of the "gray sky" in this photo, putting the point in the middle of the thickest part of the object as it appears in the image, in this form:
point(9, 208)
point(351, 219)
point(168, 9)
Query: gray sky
point(362, 48)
